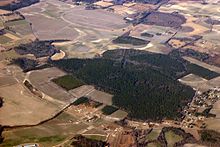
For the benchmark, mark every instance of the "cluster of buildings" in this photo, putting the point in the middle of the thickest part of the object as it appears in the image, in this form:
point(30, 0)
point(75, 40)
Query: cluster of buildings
point(199, 109)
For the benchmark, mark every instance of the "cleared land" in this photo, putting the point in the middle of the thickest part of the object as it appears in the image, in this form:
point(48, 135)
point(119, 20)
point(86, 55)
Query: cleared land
point(213, 123)
point(63, 24)
point(41, 80)
point(193, 80)
point(101, 97)
point(27, 109)
point(75, 24)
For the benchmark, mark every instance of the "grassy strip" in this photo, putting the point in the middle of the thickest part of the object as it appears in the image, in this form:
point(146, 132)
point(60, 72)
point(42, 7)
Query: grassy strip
point(108, 110)
point(202, 72)
point(81, 100)
point(68, 82)
point(130, 40)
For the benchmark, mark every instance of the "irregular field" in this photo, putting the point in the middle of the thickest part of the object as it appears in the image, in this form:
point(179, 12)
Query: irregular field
point(165, 19)
point(172, 138)
point(99, 18)
point(4, 39)
point(153, 134)
point(41, 80)
point(44, 134)
point(202, 64)
point(74, 24)
point(23, 105)
point(62, 25)
point(58, 56)
point(213, 123)
point(193, 80)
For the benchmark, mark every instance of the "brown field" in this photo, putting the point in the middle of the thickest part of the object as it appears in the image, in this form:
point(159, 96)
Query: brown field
point(23, 104)
point(101, 97)
point(6, 2)
point(7, 80)
point(143, 7)
point(10, 17)
point(175, 43)
point(62, 25)
point(41, 80)
point(193, 80)
point(75, 24)
point(197, 28)
point(103, 4)
point(82, 90)
point(100, 19)
point(213, 123)
point(2, 12)
point(13, 37)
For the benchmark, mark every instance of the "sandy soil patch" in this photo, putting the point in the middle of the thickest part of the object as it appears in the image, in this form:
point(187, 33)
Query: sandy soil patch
point(103, 4)
point(13, 37)
point(58, 56)
point(175, 43)
point(197, 29)
point(2, 12)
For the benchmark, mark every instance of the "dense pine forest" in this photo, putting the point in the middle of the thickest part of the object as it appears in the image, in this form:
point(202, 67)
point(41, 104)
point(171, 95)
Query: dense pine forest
point(143, 84)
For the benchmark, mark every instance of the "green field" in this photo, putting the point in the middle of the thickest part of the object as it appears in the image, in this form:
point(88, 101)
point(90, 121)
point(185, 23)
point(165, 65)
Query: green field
point(95, 137)
point(47, 134)
point(108, 110)
point(68, 82)
point(202, 72)
point(4, 39)
point(153, 134)
point(81, 100)
point(172, 138)
point(130, 40)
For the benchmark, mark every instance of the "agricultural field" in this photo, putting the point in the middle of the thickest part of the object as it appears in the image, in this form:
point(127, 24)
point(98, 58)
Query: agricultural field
point(213, 123)
point(99, 73)
point(101, 97)
point(204, 65)
point(193, 80)
point(23, 104)
point(68, 82)
point(153, 135)
point(74, 24)
point(45, 134)
point(41, 80)
point(107, 110)
point(172, 138)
